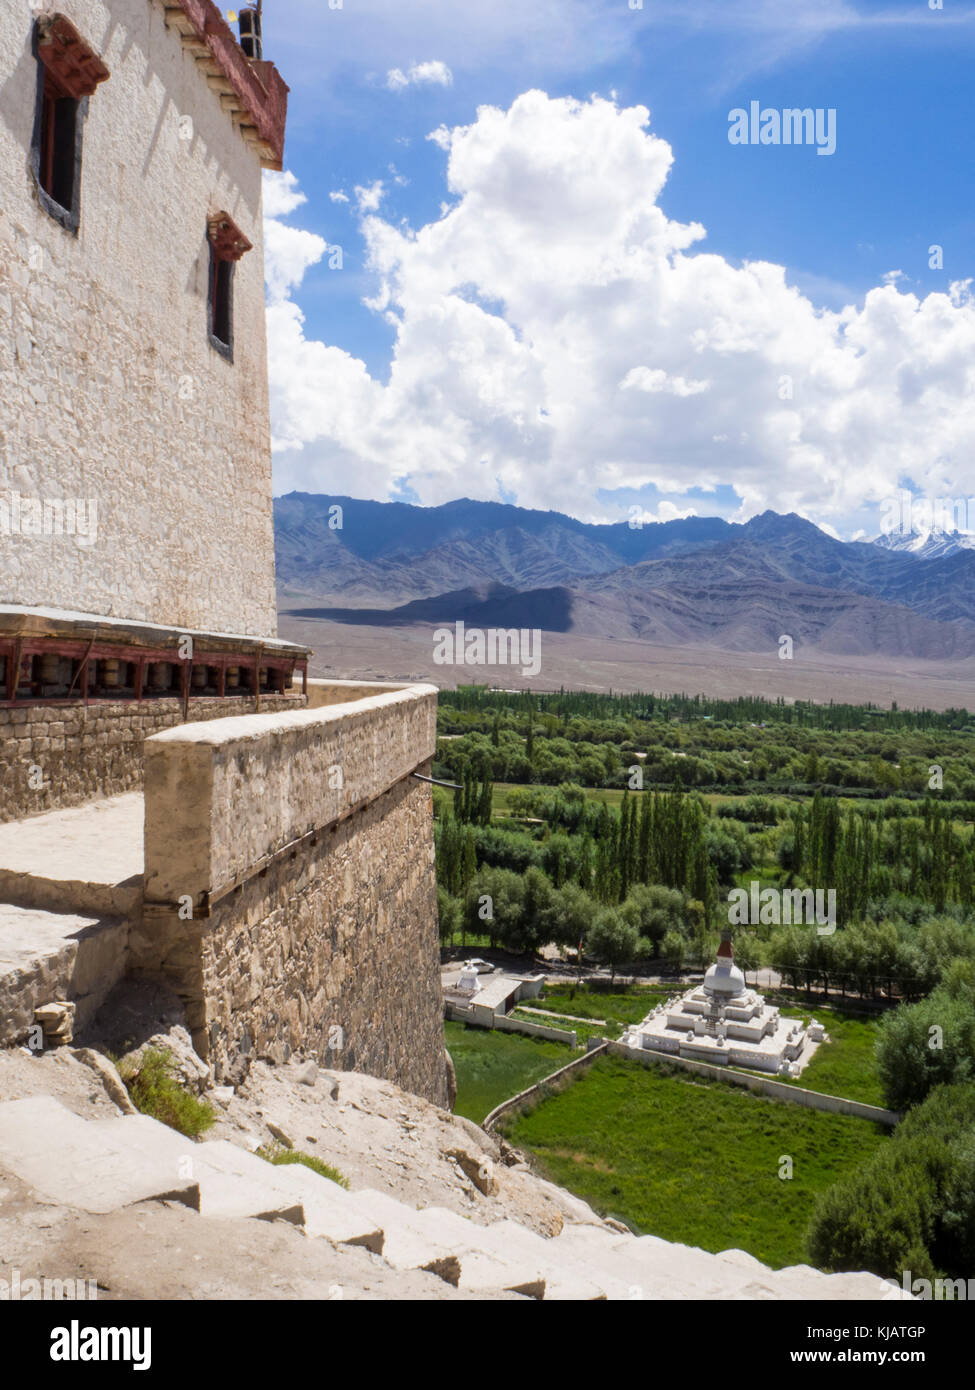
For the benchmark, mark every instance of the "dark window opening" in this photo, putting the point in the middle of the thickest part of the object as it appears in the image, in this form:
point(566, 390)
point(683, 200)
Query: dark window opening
point(68, 72)
point(58, 143)
point(221, 303)
point(227, 245)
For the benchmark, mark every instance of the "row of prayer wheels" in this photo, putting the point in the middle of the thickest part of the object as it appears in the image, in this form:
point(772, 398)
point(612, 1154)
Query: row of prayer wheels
point(51, 669)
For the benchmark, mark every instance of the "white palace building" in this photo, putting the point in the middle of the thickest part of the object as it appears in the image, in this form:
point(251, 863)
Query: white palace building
point(725, 1022)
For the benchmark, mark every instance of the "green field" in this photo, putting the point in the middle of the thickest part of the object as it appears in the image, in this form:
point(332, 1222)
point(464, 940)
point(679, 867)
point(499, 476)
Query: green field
point(616, 1008)
point(691, 1161)
point(581, 1030)
point(492, 1066)
point(619, 1006)
point(846, 1065)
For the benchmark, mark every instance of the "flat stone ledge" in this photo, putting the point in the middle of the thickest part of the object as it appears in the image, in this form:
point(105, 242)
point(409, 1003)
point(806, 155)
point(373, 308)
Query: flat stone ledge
point(86, 858)
point(249, 727)
point(48, 956)
point(226, 795)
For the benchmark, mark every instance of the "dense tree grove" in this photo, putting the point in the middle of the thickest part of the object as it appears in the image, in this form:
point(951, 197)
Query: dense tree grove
point(868, 854)
point(743, 745)
point(913, 1206)
point(746, 709)
point(607, 859)
point(625, 826)
point(932, 1042)
point(895, 853)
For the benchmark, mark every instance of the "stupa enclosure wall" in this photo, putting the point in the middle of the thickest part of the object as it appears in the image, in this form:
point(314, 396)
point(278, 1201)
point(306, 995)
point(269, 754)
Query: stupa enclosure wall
point(113, 393)
point(753, 1081)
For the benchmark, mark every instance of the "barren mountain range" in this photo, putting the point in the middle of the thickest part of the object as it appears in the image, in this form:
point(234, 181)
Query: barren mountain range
point(701, 581)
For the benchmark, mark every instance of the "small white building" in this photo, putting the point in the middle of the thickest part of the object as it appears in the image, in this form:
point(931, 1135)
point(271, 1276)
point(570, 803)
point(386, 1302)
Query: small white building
point(497, 996)
point(723, 1021)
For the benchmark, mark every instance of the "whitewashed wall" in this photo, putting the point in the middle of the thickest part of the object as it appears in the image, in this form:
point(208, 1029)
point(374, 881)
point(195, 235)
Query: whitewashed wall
point(110, 388)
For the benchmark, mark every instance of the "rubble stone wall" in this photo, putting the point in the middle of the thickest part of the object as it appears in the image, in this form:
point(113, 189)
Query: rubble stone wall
point(335, 954)
point(305, 847)
point(53, 756)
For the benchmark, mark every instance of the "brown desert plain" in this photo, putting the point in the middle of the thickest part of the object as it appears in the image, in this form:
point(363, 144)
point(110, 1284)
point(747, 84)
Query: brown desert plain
point(345, 650)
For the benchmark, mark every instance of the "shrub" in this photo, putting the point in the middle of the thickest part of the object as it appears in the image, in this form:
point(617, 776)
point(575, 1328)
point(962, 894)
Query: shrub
point(279, 1155)
point(653, 910)
point(154, 1089)
point(672, 950)
point(611, 940)
point(449, 914)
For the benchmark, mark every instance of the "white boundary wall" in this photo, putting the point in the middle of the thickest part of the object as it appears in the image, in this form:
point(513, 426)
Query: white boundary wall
point(778, 1090)
point(455, 1013)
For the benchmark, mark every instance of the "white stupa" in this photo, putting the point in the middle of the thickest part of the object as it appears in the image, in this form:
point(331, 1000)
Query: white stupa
point(469, 982)
point(724, 1021)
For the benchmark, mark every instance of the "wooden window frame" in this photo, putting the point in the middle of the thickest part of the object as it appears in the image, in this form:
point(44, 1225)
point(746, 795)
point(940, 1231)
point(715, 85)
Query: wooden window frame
point(221, 268)
point(68, 71)
point(227, 244)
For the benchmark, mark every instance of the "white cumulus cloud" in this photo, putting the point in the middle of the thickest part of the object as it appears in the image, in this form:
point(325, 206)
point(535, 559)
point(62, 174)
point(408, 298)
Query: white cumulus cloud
point(368, 198)
point(429, 74)
point(656, 379)
point(556, 334)
point(281, 193)
point(288, 251)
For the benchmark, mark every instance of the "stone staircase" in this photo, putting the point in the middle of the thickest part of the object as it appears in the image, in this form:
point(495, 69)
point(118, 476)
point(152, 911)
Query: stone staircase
point(70, 886)
point(104, 1165)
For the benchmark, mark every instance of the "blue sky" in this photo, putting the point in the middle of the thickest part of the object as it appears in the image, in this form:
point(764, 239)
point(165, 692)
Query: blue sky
point(898, 75)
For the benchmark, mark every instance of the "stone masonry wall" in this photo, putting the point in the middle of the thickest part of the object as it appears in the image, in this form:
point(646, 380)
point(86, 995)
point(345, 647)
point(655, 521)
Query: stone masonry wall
point(112, 393)
point(222, 796)
point(290, 891)
point(335, 954)
point(52, 756)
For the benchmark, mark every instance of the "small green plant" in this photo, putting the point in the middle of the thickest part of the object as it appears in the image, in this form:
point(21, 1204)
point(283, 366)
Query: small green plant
point(154, 1090)
point(279, 1154)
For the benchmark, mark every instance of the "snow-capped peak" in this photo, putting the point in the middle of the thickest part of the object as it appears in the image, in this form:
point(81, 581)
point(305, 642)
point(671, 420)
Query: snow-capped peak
point(927, 545)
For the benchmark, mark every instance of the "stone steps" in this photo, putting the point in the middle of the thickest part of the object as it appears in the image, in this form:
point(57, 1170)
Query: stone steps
point(84, 859)
point(329, 1212)
point(408, 1241)
point(69, 882)
point(234, 1183)
point(460, 1251)
point(51, 956)
point(639, 1272)
point(658, 1269)
point(101, 1166)
point(561, 1277)
point(74, 1163)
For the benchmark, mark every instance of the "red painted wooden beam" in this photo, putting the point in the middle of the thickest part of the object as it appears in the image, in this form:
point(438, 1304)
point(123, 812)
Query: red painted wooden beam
point(258, 85)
